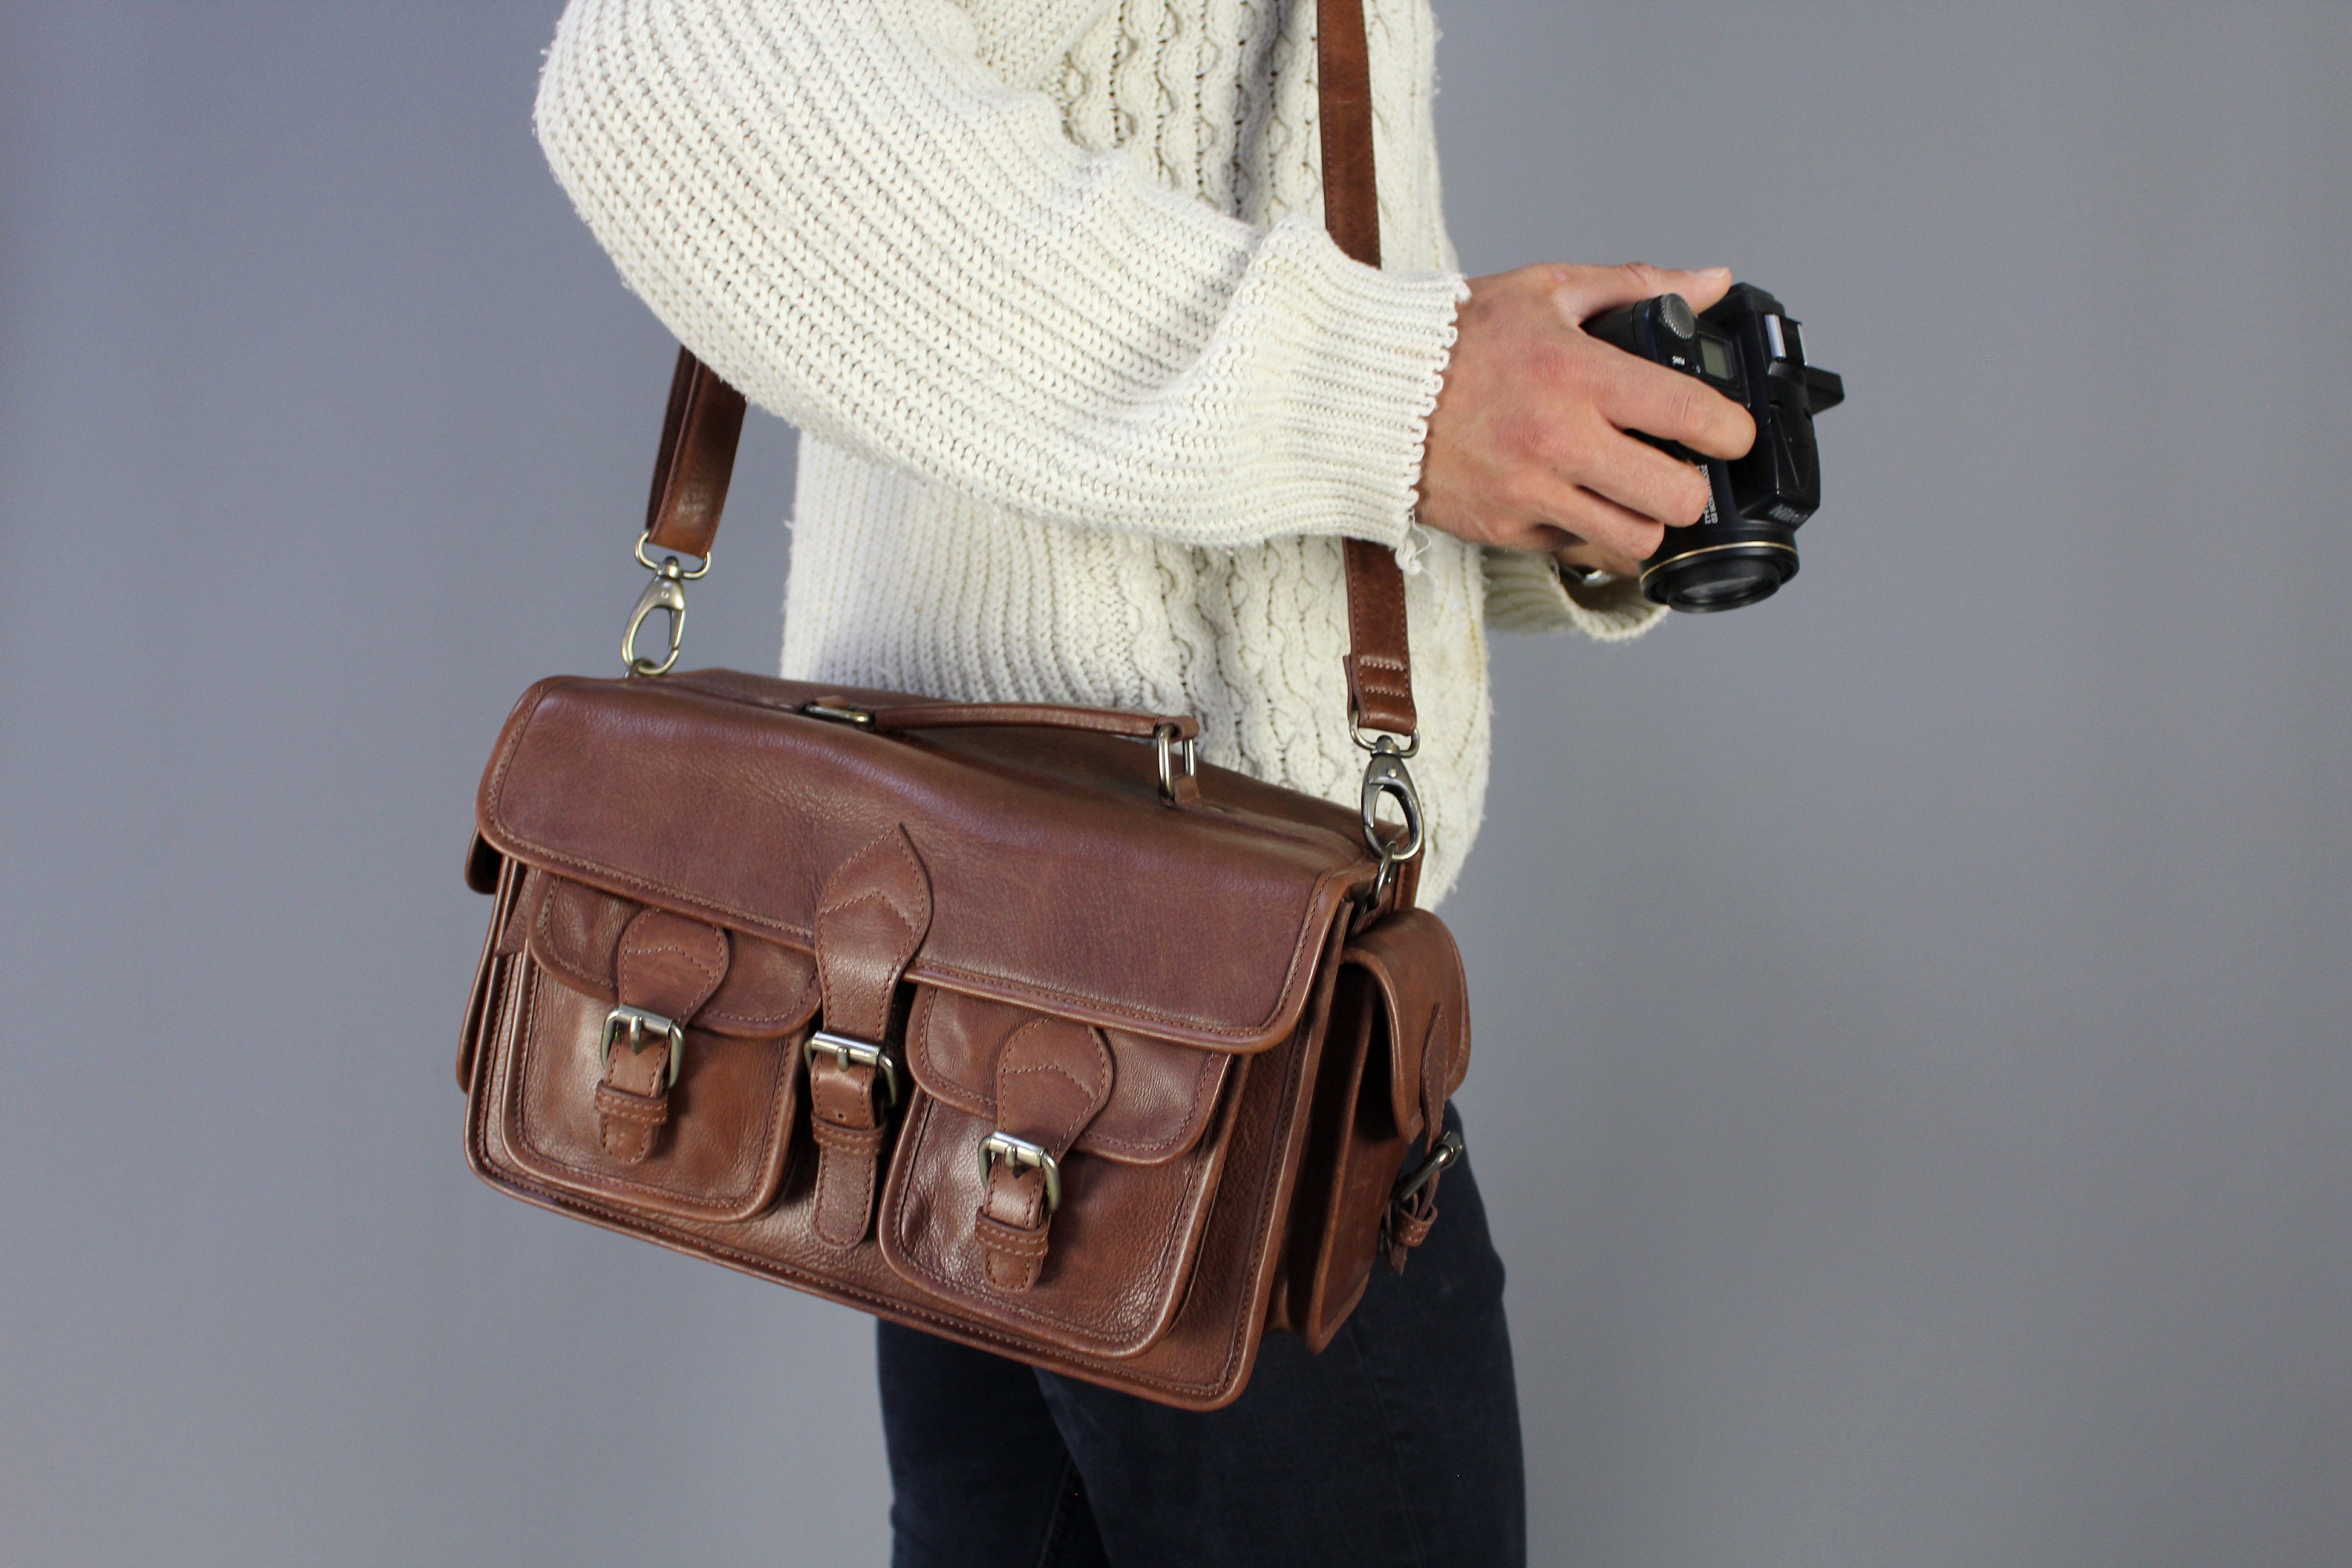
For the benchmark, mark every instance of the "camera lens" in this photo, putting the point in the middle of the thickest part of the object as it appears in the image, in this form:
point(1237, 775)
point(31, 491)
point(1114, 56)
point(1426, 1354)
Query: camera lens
point(1708, 578)
point(1721, 561)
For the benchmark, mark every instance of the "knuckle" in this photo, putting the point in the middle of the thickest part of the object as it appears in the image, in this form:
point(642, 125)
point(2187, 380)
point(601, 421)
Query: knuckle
point(1648, 279)
point(1554, 444)
point(1691, 408)
point(1691, 496)
point(1555, 364)
point(1526, 436)
point(1743, 433)
point(1524, 496)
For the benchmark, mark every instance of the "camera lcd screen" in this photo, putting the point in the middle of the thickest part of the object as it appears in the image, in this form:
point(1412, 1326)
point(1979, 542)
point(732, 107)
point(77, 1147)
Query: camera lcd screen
point(1718, 363)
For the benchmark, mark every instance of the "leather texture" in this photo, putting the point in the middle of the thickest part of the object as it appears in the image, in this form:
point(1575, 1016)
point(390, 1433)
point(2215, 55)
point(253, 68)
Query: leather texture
point(699, 433)
point(1351, 205)
point(1031, 716)
point(1053, 1079)
point(987, 1018)
point(1380, 665)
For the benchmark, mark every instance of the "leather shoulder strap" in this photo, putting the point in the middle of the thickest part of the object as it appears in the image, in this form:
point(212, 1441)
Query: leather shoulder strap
point(1380, 660)
point(705, 416)
point(699, 432)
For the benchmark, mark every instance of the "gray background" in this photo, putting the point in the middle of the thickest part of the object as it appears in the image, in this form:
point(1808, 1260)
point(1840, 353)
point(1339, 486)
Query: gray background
point(1911, 1082)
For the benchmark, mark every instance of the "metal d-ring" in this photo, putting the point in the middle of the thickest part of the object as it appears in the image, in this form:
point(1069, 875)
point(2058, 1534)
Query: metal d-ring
point(1381, 740)
point(697, 575)
point(1167, 738)
point(1442, 1157)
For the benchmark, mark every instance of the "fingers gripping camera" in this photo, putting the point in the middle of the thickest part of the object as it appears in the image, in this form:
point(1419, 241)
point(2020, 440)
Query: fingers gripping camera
point(1750, 349)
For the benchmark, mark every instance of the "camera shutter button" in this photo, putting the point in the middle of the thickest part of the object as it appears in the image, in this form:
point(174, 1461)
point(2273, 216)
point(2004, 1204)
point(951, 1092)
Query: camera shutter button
point(1674, 313)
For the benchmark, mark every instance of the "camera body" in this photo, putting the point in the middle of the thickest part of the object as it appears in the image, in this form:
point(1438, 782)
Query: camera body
point(1750, 349)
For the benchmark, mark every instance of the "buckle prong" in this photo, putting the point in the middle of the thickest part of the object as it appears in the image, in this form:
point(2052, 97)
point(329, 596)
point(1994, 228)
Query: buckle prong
point(640, 1028)
point(1024, 1155)
point(849, 1053)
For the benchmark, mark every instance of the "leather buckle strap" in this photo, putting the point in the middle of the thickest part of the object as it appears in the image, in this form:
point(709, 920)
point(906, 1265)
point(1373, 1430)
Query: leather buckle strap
point(851, 1053)
point(1412, 1205)
point(871, 918)
point(665, 967)
point(849, 1122)
point(1053, 1078)
point(641, 1029)
point(631, 1096)
point(1022, 1155)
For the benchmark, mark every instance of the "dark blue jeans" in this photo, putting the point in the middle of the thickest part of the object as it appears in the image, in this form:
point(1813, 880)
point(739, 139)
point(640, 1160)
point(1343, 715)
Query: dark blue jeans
point(1397, 1448)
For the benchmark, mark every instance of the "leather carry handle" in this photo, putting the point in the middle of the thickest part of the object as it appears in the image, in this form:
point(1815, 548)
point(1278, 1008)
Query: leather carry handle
point(705, 418)
point(907, 716)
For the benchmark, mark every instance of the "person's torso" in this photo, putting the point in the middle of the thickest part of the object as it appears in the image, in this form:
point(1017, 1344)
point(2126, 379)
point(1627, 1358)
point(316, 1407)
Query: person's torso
point(902, 585)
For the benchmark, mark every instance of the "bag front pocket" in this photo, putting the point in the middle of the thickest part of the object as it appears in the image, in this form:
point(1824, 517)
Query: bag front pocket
point(1050, 1176)
point(656, 1059)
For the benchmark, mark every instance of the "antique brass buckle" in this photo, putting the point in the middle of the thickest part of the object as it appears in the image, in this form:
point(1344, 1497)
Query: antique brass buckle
point(1025, 1155)
point(640, 1027)
point(851, 1053)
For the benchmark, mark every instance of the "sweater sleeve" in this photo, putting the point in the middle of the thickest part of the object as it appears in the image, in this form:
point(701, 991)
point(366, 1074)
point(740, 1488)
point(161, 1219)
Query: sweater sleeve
point(840, 209)
point(1526, 593)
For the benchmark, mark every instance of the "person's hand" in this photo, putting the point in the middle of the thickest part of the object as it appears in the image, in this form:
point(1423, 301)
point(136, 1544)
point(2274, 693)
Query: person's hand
point(1527, 447)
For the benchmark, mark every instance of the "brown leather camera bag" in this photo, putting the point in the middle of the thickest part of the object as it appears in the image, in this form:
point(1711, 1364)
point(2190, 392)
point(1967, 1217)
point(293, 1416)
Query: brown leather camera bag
point(1007, 1022)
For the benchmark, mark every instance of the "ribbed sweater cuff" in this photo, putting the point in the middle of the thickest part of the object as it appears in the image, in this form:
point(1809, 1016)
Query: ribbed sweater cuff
point(1526, 593)
point(1354, 356)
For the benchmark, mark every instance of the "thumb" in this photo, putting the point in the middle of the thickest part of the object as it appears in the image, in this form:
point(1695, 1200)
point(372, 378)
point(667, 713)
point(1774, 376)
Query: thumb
point(1588, 291)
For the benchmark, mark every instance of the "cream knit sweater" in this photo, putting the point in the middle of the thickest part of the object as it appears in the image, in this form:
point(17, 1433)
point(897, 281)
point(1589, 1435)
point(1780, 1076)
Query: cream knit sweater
point(1087, 399)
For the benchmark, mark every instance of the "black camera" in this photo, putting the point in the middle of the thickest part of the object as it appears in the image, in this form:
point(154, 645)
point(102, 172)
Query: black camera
point(1750, 349)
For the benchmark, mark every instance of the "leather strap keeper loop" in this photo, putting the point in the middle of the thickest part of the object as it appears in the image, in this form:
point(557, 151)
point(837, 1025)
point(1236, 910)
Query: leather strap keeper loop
point(849, 1124)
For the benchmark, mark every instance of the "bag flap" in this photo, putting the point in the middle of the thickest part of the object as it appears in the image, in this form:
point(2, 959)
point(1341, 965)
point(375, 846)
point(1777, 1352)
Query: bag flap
point(1162, 1094)
point(1059, 882)
point(1416, 971)
point(574, 931)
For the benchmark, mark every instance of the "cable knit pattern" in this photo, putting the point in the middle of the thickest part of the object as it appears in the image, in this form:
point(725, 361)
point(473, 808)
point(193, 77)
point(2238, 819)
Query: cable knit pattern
point(1087, 397)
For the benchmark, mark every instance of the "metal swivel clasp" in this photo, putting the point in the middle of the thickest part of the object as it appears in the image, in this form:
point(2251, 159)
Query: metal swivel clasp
point(1385, 777)
point(665, 591)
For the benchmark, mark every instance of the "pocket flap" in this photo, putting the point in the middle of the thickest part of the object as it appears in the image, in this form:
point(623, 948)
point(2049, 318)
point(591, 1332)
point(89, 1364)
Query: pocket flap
point(717, 798)
point(1162, 1095)
point(1416, 972)
point(574, 931)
